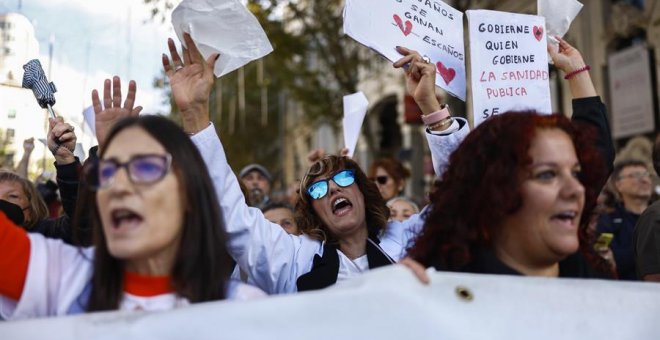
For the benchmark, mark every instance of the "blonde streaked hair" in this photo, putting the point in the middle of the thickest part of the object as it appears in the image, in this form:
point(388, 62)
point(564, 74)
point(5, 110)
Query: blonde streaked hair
point(37, 208)
point(309, 223)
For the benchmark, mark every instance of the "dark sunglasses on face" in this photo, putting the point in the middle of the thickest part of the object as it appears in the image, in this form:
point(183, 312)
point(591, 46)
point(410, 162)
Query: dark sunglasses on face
point(319, 189)
point(380, 179)
point(141, 169)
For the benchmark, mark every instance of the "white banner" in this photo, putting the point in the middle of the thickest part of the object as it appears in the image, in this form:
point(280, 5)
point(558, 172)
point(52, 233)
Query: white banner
point(432, 28)
point(509, 63)
point(631, 93)
point(390, 303)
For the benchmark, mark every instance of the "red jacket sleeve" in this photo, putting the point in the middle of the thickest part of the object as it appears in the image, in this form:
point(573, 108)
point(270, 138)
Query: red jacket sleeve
point(14, 258)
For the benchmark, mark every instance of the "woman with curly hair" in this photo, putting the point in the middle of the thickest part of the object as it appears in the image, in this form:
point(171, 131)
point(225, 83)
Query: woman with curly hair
point(519, 191)
point(340, 212)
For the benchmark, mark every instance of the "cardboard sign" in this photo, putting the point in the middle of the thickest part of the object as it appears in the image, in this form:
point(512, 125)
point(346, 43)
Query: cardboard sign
point(631, 92)
point(509, 63)
point(432, 28)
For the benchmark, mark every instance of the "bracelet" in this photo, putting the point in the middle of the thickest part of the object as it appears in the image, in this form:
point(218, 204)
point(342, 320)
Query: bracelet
point(436, 116)
point(443, 124)
point(570, 75)
point(194, 133)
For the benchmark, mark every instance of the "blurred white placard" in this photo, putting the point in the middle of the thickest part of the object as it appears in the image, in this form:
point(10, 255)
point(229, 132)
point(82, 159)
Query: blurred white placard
point(355, 108)
point(390, 303)
point(631, 93)
point(558, 14)
point(222, 26)
point(432, 28)
point(509, 63)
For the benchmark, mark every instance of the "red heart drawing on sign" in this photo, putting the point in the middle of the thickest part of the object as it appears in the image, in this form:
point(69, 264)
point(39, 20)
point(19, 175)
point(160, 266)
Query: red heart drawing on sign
point(538, 32)
point(406, 30)
point(447, 73)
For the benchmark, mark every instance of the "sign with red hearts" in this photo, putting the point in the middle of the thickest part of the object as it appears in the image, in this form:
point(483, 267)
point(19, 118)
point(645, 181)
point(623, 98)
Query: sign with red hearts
point(509, 63)
point(432, 28)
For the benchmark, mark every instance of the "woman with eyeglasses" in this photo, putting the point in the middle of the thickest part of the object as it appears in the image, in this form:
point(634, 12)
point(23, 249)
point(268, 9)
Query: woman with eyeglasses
point(340, 212)
point(159, 239)
point(390, 177)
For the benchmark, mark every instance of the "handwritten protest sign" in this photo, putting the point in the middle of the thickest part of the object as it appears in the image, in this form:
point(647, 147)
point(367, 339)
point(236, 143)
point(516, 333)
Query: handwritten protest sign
point(432, 28)
point(509, 63)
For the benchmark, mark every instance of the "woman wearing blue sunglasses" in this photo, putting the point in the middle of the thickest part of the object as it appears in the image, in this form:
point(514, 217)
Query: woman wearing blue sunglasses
point(340, 212)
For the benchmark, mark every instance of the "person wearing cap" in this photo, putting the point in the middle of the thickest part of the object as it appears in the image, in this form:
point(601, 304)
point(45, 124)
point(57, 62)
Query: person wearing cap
point(257, 179)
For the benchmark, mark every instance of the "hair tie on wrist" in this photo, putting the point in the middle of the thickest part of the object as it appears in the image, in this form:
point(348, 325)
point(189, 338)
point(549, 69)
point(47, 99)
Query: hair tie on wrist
point(570, 75)
point(436, 116)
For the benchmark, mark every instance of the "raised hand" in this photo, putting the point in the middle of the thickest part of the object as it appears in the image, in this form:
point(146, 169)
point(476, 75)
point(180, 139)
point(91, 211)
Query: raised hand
point(565, 57)
point(61, 140)
point(191, 80)
point(568, 59)
point(420, 79)
point(28, 145)
point(111, 111)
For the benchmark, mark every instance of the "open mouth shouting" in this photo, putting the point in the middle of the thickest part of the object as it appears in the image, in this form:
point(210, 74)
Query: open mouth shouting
point(341, 206)
point(125, 219)
point(568, 218)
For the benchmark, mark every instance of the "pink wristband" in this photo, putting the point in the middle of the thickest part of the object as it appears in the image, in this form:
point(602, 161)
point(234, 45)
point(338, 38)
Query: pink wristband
point(436, 116)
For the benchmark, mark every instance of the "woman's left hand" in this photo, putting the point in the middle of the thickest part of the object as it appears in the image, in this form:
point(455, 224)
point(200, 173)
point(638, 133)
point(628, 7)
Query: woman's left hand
point(420, 79)
point(191, 80)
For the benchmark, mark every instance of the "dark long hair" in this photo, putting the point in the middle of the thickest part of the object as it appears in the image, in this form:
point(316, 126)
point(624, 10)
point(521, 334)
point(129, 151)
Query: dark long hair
point(202, 265)
point(482, 186)
point(376, 212)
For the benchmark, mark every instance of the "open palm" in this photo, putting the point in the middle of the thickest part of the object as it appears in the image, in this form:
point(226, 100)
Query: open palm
point(111, 110)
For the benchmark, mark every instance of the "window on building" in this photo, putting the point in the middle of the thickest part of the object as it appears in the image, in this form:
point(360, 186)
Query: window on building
point(11, 114)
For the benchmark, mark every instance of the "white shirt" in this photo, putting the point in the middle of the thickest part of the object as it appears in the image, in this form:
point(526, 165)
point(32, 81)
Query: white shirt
point(274, 259)
point(58, 273)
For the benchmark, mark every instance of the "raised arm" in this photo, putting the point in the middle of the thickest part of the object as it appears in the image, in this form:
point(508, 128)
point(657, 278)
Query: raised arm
point(22, 167)
point(272, 258)
point(587, 105)
point(443, 132)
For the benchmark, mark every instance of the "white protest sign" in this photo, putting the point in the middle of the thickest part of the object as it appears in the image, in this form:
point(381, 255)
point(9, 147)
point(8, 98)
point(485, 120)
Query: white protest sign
point(432, 28)
point(90, 119)
point(355, 108)
point(222, 26)
point(631, 92)
point(559, 15)
point(509, 63)
point(390, 303)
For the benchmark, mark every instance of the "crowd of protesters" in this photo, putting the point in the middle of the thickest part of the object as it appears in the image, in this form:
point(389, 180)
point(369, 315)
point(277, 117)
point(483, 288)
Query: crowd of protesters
point(157, 219)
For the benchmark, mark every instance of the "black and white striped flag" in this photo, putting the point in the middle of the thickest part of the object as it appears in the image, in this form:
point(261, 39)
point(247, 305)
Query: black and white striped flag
point(35, 79)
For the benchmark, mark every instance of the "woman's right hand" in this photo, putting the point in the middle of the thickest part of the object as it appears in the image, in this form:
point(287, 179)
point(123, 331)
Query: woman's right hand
point(61, 141)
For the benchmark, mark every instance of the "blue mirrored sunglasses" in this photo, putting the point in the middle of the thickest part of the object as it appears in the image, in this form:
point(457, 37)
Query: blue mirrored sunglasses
point(319, 189)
